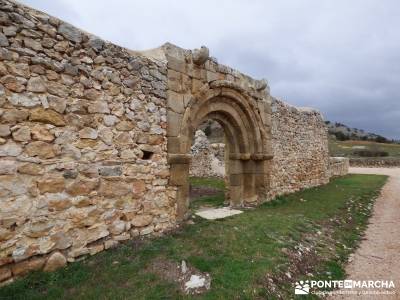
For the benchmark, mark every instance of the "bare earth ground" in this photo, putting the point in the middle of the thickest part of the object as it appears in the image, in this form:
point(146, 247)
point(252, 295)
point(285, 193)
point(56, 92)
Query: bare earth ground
point(378, 257)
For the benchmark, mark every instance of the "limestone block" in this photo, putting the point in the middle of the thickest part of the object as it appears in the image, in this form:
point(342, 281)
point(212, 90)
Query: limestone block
point(10, 149)
point(138, 188)
point(175, 81)
point(110, 171)
point(3, 40)
point(27, 266)
point(88, 133)
point(92, 94)
point(123, 138)
point(100, 107)
point(110, 120)
point(14, 116)
point(61, 240)
point(8, 167)
point(24, 100)
point(38, 228)
point(51, 185)
point(41, 149)
point(175, 102)
point(70, 32)
point(117, 227)
point(82, 186)
point(176, 64)
point(125, 126)
point(54, 262)
point(73, 253)
point(46, 116)
point(59, 202)
point(4, 130)
point(179, 174)
point(32, 44)
point(57, 89)
point(106, 135)
point(41, 133)
point(114, 188)
point(36, 84)
point(57, 104)
point(22, 134)
point(12, 83)
point(174, 123)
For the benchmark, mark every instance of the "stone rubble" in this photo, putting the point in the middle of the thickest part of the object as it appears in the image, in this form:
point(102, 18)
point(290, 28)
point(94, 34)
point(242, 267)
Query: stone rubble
point(207, 159)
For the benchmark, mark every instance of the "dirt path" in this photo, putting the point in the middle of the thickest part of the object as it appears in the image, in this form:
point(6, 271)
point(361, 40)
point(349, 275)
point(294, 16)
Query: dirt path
point(378, 257)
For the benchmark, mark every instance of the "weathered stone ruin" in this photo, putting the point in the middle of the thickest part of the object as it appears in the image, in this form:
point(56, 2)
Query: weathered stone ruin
point(208, 159)
point(338, 166)
point(95, 139)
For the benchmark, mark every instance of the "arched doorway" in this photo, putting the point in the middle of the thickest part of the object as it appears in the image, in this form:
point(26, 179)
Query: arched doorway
point(247, 141)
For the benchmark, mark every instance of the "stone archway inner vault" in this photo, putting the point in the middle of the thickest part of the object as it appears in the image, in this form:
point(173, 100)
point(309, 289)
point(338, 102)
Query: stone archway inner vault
point(247, 161)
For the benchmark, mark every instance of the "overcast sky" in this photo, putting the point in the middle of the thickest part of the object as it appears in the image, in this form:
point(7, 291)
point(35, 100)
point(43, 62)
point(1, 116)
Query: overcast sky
point(340, 56)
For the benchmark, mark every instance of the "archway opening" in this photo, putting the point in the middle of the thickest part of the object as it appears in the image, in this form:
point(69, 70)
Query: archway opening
point(207, 182)
point(246, 174)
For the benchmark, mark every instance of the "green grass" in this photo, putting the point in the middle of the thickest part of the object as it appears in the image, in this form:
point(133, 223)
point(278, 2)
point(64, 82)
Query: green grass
point(208, 201)
point(344, 148)
point(212, 201)
point(216, 183)
point(238, 252)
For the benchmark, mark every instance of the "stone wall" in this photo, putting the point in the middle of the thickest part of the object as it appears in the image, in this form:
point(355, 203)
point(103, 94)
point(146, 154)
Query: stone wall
point(83, 162)
point(300, 149)
point(301, 159)
point(207, 159)
point(338, 166)
point(388, 162)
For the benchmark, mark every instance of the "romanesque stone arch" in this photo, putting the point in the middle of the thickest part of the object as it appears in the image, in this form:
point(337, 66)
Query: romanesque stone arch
point(246, 139)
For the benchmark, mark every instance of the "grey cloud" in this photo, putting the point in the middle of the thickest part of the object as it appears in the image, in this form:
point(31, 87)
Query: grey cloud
point(339, 56)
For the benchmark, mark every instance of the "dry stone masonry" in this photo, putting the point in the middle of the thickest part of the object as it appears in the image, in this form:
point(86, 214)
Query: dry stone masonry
point(83, 149)
point(300, 148)
point(95, 139)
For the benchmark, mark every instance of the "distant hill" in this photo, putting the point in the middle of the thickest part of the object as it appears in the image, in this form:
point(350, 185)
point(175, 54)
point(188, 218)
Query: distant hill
point(339, 131)
point(343, 132)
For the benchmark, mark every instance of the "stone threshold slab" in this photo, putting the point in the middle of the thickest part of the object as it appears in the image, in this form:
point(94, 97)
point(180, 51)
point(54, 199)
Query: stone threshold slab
point(217, 213)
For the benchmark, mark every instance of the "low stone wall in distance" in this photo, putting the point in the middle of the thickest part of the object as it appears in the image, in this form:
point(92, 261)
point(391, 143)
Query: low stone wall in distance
point(388, 162)
point(338, 166)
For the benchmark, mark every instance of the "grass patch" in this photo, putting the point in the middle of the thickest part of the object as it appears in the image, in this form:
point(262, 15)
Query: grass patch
point(216, 200)
point(240, 252)
point(216, 183)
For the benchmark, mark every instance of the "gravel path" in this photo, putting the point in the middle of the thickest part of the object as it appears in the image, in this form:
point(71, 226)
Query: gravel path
point(378, 257)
